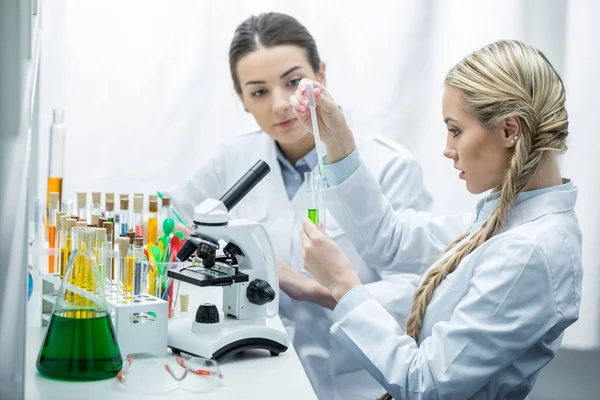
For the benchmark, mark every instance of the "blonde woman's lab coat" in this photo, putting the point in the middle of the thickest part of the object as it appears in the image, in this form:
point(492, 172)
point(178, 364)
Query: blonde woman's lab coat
point(330, 368)
point(493, 323)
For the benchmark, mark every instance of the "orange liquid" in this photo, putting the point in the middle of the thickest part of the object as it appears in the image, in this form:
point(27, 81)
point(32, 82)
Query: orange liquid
point(51, 246)
point(54, 185)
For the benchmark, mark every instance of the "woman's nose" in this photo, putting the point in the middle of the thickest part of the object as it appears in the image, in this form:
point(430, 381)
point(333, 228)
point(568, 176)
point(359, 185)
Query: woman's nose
point(280, 101)
point(450, 153)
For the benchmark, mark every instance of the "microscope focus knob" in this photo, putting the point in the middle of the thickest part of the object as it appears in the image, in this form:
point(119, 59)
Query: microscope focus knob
point(207, 313)
point(206, 249)
point(259, 292)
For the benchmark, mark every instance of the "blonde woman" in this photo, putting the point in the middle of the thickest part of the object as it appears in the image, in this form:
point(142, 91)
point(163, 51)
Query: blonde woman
point(489, 312)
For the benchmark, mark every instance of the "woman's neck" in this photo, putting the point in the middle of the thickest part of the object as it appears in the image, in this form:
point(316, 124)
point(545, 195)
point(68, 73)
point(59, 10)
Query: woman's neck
point(546, 175)
point(298, 149)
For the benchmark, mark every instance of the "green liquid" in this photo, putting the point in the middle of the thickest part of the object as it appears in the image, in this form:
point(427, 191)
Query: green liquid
point(313, 215)
point(80, 349)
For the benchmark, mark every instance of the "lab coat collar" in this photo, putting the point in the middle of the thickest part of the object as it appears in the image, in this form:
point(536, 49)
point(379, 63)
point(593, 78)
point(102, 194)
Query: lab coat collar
point(310, 159)
point(529, 205)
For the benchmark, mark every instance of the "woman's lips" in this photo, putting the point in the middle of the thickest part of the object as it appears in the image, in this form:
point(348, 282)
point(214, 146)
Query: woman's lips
point(286, 124)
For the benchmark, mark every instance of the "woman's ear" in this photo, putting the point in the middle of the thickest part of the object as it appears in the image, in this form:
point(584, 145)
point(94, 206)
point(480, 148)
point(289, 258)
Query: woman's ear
point(511, 130)
point(321, 75)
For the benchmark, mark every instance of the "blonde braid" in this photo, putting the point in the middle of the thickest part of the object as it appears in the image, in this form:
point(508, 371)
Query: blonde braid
point(503, 79)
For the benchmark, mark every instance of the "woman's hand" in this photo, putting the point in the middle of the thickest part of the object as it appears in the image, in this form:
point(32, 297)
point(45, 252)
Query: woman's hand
point(302, 288)
point(326, 261)
point(333, 129)
point(296, 285)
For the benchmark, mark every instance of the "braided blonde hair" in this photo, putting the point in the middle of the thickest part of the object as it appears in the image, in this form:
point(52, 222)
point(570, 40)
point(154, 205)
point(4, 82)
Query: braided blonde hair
point(501, 80)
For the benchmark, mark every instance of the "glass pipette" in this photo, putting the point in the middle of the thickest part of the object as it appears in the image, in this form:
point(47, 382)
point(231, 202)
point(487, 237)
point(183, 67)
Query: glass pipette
point(313, 116)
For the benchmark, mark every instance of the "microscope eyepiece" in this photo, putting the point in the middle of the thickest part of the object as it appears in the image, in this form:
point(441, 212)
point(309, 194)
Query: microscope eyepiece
point(245, 184)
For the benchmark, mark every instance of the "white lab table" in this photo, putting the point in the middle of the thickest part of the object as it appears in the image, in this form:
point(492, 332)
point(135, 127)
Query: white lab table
point(255, 374)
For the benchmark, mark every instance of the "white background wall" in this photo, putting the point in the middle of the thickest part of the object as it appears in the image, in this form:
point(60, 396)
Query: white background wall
point(148, 95)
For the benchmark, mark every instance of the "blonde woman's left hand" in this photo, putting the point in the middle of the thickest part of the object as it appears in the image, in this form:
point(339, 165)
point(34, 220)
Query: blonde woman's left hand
point(326, 261)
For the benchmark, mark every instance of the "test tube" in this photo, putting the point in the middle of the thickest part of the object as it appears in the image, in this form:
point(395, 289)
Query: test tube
point(124, 214)
point(124, 271)
point(109, 214)
point(66, 206)
point(138, 258)
point(65, 251)
point(59, 240)
point(82, 205)
point(96, 199)
point(57, 154)
point(39, 222)
point(110, 196)
point(321, 186)
point(52, 208)
point(152, 219)
point(110, 240)
point(316, 206)
point(141, 275)
point(165, 212)
point(311, 197)
point(79, 241)
point(100, 252)
point(95, 218)
point(138, 203)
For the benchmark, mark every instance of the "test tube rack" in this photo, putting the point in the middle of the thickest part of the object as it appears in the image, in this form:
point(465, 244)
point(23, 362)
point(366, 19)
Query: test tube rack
point(140, 324)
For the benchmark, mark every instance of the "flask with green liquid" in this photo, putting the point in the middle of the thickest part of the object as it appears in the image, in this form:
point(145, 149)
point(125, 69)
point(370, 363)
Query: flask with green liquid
point(80, 343)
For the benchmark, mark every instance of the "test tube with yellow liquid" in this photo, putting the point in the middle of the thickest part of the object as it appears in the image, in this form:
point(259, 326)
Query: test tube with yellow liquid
point(125, 268)
point(67, 245)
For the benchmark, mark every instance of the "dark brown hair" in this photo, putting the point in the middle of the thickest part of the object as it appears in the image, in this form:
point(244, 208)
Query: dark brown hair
point(269, 30)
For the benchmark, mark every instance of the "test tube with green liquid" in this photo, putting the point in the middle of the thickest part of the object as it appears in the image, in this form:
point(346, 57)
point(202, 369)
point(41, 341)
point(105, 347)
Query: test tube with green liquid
point(312, 193)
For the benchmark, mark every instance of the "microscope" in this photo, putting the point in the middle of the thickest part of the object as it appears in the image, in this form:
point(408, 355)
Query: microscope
point(247, 272)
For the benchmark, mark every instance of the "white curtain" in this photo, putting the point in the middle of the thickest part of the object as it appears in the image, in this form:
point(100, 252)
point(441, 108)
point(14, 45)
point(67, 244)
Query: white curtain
point(148, 95)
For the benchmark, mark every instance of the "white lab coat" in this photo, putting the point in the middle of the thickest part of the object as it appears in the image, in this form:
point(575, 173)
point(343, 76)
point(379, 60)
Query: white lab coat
point(492, 324)
point(330, 368)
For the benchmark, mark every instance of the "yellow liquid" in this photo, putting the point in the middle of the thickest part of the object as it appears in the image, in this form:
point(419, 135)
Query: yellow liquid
point(151, 282)
point(128, 278)
point(152, 230)
point(65, 252)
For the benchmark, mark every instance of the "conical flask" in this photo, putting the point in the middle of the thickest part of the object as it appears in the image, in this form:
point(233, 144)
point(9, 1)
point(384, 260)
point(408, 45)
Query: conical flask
point(80, 343)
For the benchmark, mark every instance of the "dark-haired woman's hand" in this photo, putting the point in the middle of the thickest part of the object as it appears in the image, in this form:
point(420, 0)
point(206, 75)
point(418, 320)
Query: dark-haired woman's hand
point(333, 128)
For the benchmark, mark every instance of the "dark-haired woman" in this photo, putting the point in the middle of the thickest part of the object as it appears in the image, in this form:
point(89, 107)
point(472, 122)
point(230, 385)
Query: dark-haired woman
point(269, 55)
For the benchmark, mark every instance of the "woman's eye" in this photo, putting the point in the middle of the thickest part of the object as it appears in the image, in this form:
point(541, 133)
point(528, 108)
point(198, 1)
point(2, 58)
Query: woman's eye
point(454, 131)
point(258, 93)
point(294, 82)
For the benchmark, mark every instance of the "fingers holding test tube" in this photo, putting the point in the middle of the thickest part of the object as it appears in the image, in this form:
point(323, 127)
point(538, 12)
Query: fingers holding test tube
point(331, 126)
point(326, 261)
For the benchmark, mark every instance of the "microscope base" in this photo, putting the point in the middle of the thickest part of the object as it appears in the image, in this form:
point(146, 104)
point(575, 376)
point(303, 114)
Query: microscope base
point(227, 337)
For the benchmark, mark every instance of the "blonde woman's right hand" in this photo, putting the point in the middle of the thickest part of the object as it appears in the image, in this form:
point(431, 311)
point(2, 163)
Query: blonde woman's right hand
point(333, 128)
